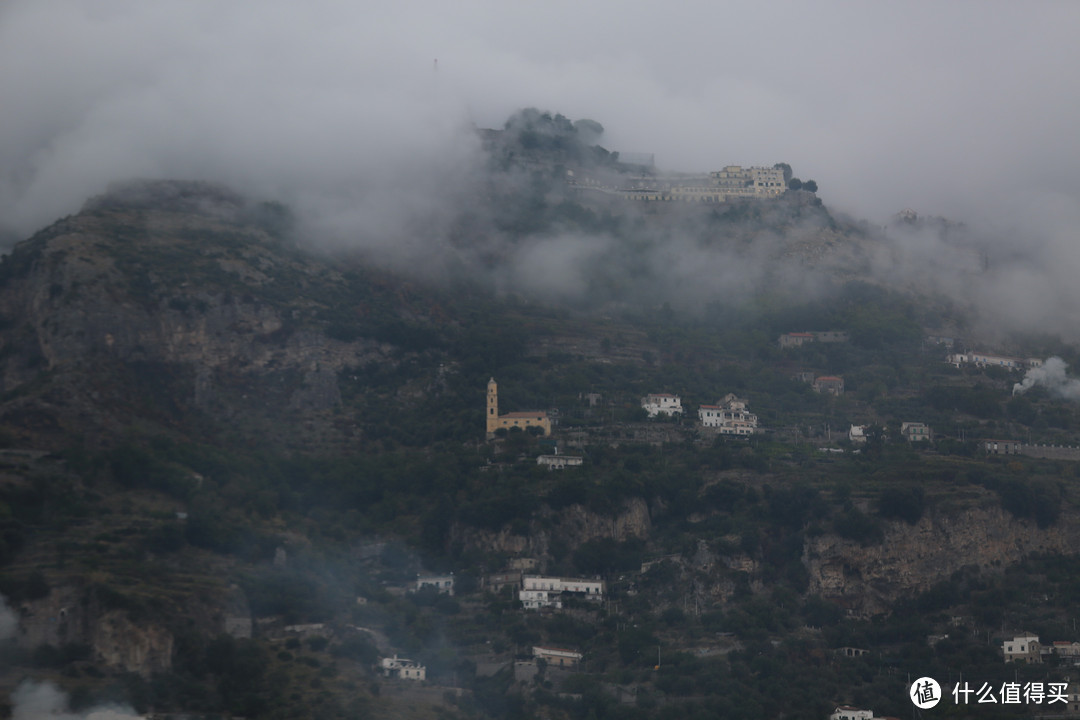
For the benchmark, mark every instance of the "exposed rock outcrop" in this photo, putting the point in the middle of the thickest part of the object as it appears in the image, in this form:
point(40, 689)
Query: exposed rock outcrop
point(912, 558)
point(218, 315)
point(573, 525)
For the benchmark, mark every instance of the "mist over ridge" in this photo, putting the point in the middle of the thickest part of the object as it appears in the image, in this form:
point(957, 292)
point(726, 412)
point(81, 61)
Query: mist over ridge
point(363, 123)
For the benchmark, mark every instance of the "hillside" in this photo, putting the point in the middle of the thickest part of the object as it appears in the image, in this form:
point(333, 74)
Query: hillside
point(230, 454)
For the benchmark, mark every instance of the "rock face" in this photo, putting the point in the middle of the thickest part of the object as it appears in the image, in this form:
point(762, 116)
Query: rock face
point(71, 615)
point(144, 649)
point(867, 580)
point(572, 525)
point(206, 310)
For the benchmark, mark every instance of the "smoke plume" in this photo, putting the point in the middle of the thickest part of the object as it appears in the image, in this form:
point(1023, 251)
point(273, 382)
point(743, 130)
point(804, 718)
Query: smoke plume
point(1051, 375)
point(34, 701)
point(9, 621)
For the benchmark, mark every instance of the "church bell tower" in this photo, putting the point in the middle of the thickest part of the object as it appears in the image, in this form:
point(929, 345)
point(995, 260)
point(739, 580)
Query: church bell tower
point(492, 407)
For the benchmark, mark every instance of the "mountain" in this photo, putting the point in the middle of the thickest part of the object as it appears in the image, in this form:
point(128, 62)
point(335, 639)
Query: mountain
point(230, 451)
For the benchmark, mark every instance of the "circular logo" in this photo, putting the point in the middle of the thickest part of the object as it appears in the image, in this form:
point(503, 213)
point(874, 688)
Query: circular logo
point(925, 693)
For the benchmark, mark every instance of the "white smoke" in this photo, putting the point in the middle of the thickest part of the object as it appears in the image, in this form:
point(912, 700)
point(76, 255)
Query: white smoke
point(9, 621)
point(34, 701)
point(1051, 375)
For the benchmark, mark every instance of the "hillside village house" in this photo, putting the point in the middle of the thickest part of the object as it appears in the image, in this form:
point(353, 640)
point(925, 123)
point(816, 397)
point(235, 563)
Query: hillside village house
point(851, 652)
point(730, 417)
point(665, 403)
point(520, 420)
point(523, 563)
point(1073, 693)
point(857, 434)
point(539, 592)
point(916, 432)
point(559, 462)
point(1069, 652)
point(847, 712)
point(1002, 447)
point(1023, 648)
point(557, 656)
point(443, 583)
point(1026, 648)
point(829, 385)
point(403, 668)
point(946, 340)
point(497, 581)
point(982, 360)
point(798, 339)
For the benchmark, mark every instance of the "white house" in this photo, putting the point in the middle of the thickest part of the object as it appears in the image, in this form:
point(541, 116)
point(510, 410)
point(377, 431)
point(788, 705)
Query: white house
point(982, 360)
point(795, 339)
point(1069, 652)
point(538, 591)
point(403, 668)
point(798, 339)
point(1022, 648)
point(857, 434)
point(731, 417)
point(916, 431)
point(557, 656)
point(847, 712)
point(559, 462)
point(443, 583)
point(829, 385)
point(666, 403)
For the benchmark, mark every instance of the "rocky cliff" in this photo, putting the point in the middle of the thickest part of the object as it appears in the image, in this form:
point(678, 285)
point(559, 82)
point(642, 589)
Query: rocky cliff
point(200, 311)
point(912, 558)
point(119, 632)
point(572, 526)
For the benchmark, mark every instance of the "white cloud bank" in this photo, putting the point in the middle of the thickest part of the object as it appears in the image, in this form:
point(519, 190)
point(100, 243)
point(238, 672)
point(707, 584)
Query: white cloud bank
point(966, 109)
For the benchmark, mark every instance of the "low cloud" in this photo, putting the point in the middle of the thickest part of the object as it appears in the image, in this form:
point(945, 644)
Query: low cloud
point(361, 119)
point(9, 621)
point(38, 700)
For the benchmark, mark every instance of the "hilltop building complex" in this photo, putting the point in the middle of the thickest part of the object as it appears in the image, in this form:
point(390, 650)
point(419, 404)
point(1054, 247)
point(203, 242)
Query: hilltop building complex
point(732, 183)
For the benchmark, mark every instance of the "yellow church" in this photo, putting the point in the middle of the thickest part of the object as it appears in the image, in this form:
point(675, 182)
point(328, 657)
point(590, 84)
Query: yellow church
point(522, 420)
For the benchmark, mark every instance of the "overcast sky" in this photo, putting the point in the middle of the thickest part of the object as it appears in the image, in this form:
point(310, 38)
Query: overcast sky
point(965, 109)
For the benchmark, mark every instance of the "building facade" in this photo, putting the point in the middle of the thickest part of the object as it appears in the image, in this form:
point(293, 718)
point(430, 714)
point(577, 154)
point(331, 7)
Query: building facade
point(798, 339)
point(983, 360)
point(664, 403)
point(443, 583)
point(730, 417)
point(829, 385)
point(557, 656)
point(847, 712)
point(520, 420)
point(916, 432)
point(559, 462)
point(403, 668)
point(538, 591)
point(1023, 648)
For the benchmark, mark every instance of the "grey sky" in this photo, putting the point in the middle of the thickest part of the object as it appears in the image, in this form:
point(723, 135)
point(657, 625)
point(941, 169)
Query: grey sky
point(962, 108)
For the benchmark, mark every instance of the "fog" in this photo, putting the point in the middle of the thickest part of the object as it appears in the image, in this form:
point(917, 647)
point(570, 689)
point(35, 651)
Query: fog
point(360, 116)
point(37, 700)
point(9, 621)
